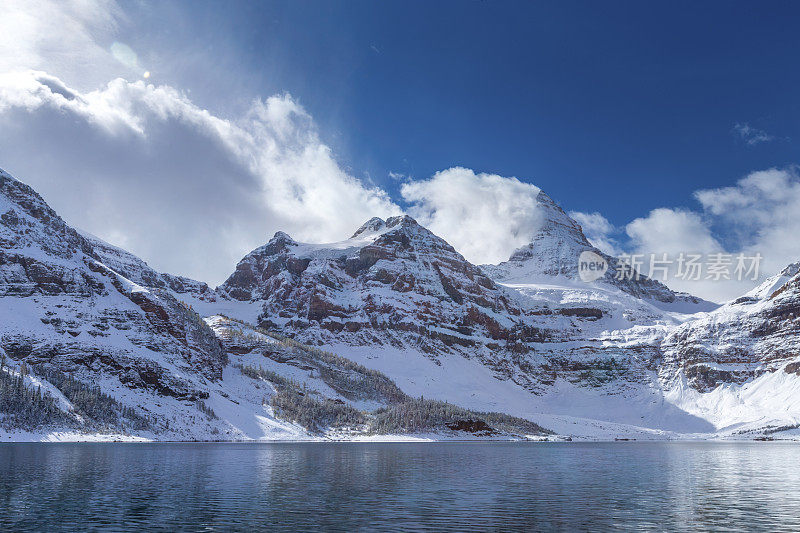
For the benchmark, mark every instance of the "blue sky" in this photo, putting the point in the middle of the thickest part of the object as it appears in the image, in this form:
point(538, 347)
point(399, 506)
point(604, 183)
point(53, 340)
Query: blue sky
point(591, 101)
point(311, 116)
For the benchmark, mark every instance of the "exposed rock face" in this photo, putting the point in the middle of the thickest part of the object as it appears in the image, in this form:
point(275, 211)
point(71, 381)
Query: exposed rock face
point(393, 281)
point(62, 304)
point(394, 284)
point(396, 299)
point(753, 335)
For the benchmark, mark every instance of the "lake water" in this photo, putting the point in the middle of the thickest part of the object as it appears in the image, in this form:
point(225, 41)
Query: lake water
point(347, 486)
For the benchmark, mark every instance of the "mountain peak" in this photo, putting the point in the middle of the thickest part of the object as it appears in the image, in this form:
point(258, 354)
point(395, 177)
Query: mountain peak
point(372, 225)
point(554, 251)
point(284, 237)
point(22, 207)
point(377, 225)
point(556, 245)
point(401, 220)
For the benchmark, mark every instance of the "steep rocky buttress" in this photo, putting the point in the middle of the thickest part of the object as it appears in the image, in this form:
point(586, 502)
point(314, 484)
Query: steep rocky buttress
point(392, 282)
point(756, 334)
point(63, 306)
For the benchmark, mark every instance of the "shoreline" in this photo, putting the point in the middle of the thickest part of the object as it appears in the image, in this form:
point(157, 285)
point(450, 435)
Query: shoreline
point(99, 438)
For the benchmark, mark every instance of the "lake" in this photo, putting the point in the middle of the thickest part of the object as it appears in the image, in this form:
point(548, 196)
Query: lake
point(412, 486)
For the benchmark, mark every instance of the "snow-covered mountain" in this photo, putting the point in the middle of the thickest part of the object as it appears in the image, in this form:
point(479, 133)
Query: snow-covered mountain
point(526, 337)
point(342, 340)
point(753, 335)
point(740, 364)
point(395, 285)
point(95, 342)
point(392, 283)
point(395, 293)
point(62, 307)
point(551, 258)
point(137, 271)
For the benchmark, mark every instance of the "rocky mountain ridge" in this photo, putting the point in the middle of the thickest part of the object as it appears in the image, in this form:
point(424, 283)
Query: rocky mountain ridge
point(393, 282)
point(137, 271)
point(64, 306)
point(756, 334)
point(95, 342)
point(408, 313)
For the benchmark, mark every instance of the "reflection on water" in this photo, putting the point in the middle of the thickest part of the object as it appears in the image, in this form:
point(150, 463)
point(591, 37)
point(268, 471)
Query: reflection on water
point(346, 486)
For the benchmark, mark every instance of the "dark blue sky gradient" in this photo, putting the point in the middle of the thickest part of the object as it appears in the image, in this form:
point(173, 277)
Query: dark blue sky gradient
point(617, 107)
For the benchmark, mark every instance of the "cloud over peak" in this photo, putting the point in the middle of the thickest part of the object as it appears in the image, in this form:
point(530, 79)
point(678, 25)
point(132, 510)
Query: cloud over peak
point(210, 182)
point(484, 216)
point(598, 230)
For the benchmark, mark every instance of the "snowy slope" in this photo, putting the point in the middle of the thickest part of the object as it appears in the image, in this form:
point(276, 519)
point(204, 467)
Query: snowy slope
point(96, 340)
point(551, 259)
point(63, 309)
point(587, 355)
point(136, 270)
point(406, 316)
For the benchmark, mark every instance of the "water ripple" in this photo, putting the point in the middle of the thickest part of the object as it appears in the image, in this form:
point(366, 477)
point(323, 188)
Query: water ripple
point(419, 486)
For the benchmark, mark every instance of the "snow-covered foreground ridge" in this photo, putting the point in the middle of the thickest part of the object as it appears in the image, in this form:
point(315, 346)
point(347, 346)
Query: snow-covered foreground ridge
point(388, 333)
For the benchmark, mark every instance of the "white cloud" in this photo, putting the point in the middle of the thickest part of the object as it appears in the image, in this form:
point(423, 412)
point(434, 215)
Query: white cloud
point(755, 216)
point(484, 216)
point(69, 38)
point(172, 180)
point(760, 214)
point(751, 135)
point(598, 230)
point(675, 232)
point(757, 193)
point(671, 231)
point(192, 190)
point(144, 166)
